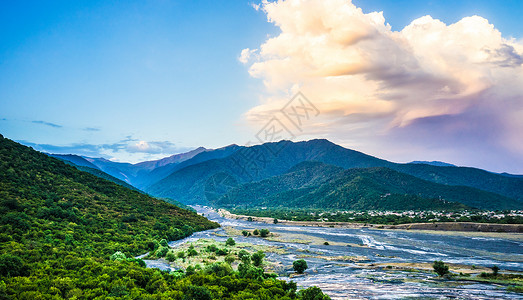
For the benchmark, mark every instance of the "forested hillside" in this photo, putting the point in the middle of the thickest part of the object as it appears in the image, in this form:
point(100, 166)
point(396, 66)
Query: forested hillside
point(59, 228)
point(318, 185)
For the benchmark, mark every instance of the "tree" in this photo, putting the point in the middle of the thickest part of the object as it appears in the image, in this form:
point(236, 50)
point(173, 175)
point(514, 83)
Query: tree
point(255, 232)
point(195, 292)
point(11, 265)
point(495, 270)
point(230, 242)
point(245, 232)
point(244, 256)
point(257, 258)
point(275, 221)
point(313, 293)
point(264, 232)
point(300, 266)
point(440, 268)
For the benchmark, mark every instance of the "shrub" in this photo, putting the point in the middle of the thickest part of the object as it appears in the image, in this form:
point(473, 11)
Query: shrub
point(244, 256)
point(440, 268)
point(192, 252)
point(118, 256)
point(222, 252)
point(181, 254)
point(255, 232)
point(275, 221)
point(170, 256)
point(249, 271)
point(190, 270)
point(164, 243)
point(300, 266)
point(230, 242)
point(219, 268)
point(162, 251)
point(212, 248)
point(257, 258)
point(264, 232)
point(245, 232)
point(229, 259)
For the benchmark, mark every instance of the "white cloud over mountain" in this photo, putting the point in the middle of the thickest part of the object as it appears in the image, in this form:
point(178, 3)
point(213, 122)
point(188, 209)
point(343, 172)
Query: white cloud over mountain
point(451, 92)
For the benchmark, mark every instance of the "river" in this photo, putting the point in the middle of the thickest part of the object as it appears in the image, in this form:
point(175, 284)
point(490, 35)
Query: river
point(342, 279)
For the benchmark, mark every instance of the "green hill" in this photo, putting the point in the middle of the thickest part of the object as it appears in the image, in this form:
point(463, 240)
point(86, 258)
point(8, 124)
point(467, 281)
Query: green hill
point(318, 185)
point(59, 227)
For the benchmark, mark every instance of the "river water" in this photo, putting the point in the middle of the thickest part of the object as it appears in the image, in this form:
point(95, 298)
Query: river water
point(342, 279)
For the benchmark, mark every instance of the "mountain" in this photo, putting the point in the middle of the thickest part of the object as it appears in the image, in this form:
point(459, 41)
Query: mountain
point(161, 172)
point(204, 181)
point(191, 183)
point(433, 163)
point(511, 187)
point(75, 159)
point(173, 159)
point(59, 226)
point(138, 175)
point(318, 185)
point(82, 164)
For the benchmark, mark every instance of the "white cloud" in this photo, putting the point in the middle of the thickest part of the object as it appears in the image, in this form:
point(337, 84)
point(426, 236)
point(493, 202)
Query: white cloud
point(371, 83)
point(246, 54)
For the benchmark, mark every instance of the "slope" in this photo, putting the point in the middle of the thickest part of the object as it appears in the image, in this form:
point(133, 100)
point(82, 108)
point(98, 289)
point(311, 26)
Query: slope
point(59, 226)
point(317, 185)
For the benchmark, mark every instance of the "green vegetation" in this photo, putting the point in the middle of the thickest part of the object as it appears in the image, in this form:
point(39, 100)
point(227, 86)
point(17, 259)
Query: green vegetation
point(300, 266)
point(257, 258)
point(381, 217)
point(440, 268)
point(230, 242)
point(264, 232)
point(318, 185)
point(66, 234)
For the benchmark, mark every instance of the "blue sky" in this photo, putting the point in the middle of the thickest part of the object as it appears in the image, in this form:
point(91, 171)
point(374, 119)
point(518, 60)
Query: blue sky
point(138, 80)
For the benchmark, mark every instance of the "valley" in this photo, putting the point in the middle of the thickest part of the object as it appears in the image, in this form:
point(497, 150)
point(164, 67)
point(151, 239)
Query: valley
point(378, 264)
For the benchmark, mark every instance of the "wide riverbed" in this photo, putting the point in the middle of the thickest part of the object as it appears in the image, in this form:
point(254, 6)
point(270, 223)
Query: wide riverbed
point(343, 279)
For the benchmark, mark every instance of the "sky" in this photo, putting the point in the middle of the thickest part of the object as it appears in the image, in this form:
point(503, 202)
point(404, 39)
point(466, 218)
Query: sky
point(140, 80)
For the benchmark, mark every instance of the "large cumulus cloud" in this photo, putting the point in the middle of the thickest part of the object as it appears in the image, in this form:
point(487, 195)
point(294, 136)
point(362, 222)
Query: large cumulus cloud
point(430, 91)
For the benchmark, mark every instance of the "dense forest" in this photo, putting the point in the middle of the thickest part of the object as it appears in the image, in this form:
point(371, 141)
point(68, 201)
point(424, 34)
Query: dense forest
point(60, 227)
point(319, 185)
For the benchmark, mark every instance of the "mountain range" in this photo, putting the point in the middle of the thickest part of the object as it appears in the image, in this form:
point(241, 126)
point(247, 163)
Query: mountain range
point(204, 176)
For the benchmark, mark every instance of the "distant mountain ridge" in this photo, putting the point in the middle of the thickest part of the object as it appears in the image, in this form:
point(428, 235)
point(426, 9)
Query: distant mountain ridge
point(433, 163)
point(138, 175)
point(196, 182)
point(208, 174)
point(82, 164)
